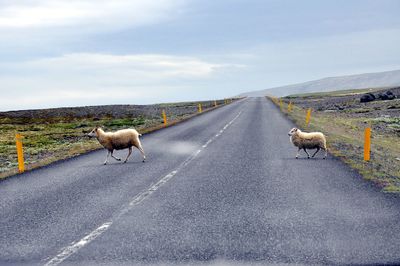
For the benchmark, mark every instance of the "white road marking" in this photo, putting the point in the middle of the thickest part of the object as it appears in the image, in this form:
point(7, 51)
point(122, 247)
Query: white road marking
point(76, 246)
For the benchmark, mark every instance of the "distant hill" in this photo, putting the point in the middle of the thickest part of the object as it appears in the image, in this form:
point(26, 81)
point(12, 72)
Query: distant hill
point(368, 80)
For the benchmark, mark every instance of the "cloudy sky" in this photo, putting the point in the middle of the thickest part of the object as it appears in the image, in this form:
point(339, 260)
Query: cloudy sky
point(89, 52)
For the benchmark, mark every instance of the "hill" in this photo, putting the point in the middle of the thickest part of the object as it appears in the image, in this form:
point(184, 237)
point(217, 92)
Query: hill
point(368, 80)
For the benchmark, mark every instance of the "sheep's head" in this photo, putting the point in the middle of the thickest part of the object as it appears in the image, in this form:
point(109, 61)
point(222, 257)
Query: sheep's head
point(293, 131)
point(93, 133)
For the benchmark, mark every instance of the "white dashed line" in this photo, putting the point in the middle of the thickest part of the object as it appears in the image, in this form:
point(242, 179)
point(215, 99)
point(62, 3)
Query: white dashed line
point(75, 246)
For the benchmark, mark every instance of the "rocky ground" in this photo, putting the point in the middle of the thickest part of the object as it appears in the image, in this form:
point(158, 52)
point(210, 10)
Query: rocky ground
point(112, 111)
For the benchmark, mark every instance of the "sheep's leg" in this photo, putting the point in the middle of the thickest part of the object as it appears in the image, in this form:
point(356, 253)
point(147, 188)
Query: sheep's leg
point(326, 152)
point(142, 152)
point(298, 153)
point(112, 155)
point(129, 154)
point(108, 154)
point(316, 152)
point(307, 153)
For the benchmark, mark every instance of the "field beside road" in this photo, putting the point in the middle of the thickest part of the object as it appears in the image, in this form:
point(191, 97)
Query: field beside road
point(342, 117)
point(54, 134)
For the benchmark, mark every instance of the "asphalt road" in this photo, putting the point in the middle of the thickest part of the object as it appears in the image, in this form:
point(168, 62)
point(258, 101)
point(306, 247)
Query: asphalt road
point(221, 188)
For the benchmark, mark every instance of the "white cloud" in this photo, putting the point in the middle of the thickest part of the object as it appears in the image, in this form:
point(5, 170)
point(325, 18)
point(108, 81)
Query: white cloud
point(83, 78)
point(141, 66)
point(48, 97)
point(85, 13)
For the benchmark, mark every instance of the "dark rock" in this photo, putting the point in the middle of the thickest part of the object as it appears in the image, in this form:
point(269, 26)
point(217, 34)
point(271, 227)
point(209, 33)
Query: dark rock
point(382, 96)
point(368, 97)
point(386, 96)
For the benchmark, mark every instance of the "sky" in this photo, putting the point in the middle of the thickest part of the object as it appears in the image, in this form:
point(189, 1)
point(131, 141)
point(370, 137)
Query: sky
point(56, 53)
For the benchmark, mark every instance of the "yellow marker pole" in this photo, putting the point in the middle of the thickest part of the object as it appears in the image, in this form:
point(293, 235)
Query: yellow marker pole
point(289, 107)
point(367, 144)
point(215, 103)
point(308, 117)
point(164, 115)
point(280, 104)
point(200, 108)
point(20, 153)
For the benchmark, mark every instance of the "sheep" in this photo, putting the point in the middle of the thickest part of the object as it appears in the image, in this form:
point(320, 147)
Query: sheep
point(119, 140)
point(303, 140)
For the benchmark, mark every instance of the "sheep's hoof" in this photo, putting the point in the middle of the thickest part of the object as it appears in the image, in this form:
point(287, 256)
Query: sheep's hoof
point(297, 157)
point(104, 163)
point(118, 159)
point(144, 161)
point(308, 157)
point(324, 158)
point(125, 161)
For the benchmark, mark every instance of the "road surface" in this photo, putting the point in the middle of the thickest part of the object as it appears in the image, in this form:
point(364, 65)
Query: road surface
point(221, 188)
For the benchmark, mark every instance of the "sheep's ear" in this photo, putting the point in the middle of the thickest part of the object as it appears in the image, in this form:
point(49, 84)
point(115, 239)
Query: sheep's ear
point(296, 129)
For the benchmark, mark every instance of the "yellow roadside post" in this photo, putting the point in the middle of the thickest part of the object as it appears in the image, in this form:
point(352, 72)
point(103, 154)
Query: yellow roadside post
point(308, 117)
point(215, 103)
point(289, 107)
point(200, 108)
point(367, 144)
point(20, 153)
point(164, 115)
point(281, 104)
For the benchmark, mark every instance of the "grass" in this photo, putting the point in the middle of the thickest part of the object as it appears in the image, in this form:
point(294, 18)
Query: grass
point(49, 140)
point(345, 137)
point(333, 93)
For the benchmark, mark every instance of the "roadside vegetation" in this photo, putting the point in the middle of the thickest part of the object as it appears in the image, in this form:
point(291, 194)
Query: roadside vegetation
point(342, 117)
point(51, 135)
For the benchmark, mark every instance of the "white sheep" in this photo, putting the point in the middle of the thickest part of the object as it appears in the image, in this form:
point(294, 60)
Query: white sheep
point(119, 140)
point(303, 140)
